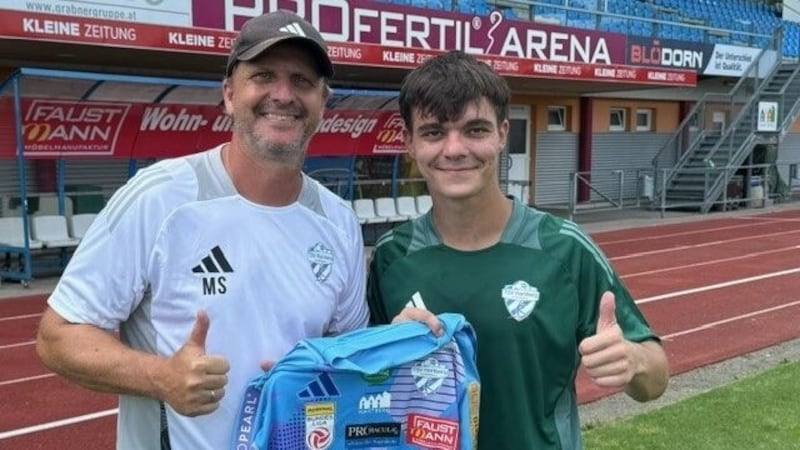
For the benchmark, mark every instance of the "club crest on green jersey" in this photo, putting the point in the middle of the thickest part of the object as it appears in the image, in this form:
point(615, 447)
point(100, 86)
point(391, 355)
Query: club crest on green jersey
point(520, 298)
point(321, 259)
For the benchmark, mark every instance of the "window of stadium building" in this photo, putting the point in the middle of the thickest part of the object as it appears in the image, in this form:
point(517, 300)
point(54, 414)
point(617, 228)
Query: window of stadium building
point(616, 119)
point(644, 119)
point(556, 118)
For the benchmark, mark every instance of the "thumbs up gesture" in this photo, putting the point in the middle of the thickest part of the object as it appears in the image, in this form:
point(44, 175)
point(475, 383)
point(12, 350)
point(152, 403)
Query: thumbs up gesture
point(607, 356)
point(195, 381)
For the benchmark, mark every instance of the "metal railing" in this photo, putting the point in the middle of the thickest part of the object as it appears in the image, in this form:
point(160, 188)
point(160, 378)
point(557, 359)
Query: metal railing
point(738, 100)
point(779, 182)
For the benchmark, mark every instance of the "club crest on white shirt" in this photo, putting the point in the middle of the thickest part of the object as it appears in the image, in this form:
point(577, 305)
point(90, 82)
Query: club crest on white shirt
point(429, 375)
point(321, 259)
point(520, 299)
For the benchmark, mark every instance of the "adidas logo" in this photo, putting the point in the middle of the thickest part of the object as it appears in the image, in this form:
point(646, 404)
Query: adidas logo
point(320, 387)
point(214, 263)
point(293, 28)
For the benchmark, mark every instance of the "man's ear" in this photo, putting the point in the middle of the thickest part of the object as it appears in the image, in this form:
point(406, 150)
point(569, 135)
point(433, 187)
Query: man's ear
point(227, 95)
point(502, 133)
point(407, 142)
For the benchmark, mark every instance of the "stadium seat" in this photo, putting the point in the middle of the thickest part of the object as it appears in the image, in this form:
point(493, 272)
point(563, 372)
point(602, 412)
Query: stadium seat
point(79, 224)
point(365, 211)
point(52, 231)
point(385, 207)
point(13, 235)
point(424, 203)
point(407, 206)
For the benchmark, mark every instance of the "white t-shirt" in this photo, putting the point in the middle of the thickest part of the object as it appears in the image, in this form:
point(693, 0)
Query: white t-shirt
point(178, 238)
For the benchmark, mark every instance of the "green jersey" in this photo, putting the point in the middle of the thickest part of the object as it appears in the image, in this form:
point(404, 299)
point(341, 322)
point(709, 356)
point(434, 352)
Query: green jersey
point(531, 298)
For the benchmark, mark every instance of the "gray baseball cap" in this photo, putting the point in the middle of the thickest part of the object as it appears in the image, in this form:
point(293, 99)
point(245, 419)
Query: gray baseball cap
point(262, 32)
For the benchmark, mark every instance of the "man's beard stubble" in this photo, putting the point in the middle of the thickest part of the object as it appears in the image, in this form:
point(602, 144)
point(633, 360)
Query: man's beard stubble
point(262, 148)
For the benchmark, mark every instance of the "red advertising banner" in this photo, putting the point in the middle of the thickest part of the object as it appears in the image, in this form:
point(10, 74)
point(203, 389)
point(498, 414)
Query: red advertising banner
point(74, 29)
point(364, 33)
point(372, 55)
point(72, 129)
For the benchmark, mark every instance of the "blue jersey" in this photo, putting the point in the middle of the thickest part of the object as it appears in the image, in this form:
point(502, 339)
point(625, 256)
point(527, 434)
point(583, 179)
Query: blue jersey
point(387, 387)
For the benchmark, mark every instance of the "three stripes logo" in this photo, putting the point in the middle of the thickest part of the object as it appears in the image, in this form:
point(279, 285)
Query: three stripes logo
point(293, 28)
point(214, 263)
point(320, 387)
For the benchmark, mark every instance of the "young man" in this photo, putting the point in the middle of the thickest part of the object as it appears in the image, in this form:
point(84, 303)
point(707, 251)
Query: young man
point(540, 294)
point(212, 264)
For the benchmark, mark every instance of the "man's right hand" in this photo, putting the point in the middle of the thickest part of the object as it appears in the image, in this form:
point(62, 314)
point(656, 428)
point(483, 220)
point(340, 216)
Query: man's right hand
point(196, 381)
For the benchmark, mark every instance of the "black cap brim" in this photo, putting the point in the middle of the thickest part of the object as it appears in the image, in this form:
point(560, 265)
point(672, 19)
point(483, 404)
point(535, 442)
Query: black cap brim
point(320, 54)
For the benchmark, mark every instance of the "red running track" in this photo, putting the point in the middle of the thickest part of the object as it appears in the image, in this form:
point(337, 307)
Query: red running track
point(713, 289)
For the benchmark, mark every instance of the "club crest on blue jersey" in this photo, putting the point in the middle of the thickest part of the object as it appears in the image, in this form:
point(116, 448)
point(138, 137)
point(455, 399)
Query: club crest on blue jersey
point(429, 375)
point(321, 259)
point(520, 299)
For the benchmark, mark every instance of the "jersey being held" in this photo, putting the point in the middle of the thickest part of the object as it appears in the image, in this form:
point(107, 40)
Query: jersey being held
point(178, 238)
point(531, 298)
point(394, 386)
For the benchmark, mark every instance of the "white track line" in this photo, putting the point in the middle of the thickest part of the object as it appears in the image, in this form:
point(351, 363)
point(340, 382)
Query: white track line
point(772, 219)
point(31, 378)
point(713, 261)
point(711, 287)
point(764, 221)
point(704, 244)
point(25, 316)
point(57, 423)
point(654, 237)
point(706, 326)
point(19, 344)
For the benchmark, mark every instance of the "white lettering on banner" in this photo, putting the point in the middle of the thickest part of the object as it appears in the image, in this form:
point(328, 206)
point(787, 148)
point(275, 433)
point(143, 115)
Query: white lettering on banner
point(400, 57)
point(222, 123)
point(75, 127)
point(556, 47)
point(677, 77)
point(338, 52)
point(355, 126)
point(43, 112)
point(159, 118)
point(603, 72)
point(68, 133)
point(191, 39)
point(670, 57)
point(401, 29)
point(108, 32)
point(395, 122)
point(54, 27)
point(545, 68)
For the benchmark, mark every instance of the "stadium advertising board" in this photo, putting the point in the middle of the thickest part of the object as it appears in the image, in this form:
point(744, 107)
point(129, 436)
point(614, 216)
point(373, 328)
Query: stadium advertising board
point(705, 59)
point(72, 129)
point(161, 12)
point(362, 32)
